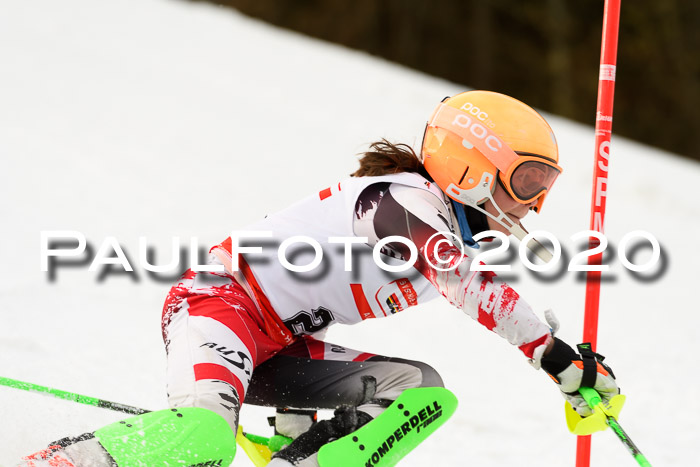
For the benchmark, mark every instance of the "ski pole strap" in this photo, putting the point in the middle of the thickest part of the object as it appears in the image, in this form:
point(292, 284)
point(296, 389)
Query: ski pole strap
point(590, 365)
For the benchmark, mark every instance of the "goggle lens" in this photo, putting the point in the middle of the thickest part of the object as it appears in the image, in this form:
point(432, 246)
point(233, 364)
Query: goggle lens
point(531, 178)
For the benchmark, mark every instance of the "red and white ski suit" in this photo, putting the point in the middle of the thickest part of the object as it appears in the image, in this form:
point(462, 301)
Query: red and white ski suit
point(235, 332)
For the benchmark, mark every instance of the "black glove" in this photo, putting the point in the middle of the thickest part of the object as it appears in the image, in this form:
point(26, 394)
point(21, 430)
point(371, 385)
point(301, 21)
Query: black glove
point(571, 371)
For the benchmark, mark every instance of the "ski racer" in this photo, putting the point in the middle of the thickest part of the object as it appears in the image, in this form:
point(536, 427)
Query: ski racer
point(249, 329)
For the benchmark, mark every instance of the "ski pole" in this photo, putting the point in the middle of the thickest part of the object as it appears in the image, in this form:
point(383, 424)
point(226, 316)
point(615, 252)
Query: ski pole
point(593, 399)
point(71, 396)
point(94, 401)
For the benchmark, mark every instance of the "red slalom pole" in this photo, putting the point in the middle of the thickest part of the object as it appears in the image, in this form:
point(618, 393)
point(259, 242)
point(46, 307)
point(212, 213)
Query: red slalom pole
point(603, 131)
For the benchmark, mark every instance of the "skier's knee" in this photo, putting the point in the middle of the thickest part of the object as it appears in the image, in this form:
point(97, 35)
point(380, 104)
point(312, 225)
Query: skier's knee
point(430, 378)
point(403, 375)
point(406, 374)
point(396, 377)
point(218, 396)
point(425, 375)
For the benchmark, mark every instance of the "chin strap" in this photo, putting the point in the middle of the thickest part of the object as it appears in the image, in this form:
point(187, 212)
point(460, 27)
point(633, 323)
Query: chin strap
point(518, 231)
point(515, 229)
point(536, 247)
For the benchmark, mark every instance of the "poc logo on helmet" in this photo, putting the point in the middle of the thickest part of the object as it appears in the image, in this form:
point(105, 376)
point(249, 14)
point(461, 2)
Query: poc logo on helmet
point(479, 131)
point(478, 113)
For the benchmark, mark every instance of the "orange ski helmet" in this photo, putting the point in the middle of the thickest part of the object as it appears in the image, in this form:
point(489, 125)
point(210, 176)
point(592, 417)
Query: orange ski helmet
point(476, 136)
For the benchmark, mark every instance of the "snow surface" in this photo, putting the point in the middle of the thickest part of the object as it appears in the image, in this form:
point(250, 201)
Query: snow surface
point(161, 118)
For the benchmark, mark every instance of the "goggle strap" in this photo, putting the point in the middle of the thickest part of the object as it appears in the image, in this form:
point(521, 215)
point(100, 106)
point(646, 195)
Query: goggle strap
point(476, 133)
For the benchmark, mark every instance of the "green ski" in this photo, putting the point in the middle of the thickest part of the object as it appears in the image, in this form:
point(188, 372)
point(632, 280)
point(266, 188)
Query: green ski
point(384, 441)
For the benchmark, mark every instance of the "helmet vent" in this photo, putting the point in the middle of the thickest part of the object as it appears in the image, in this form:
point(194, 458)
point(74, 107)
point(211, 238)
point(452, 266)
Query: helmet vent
point(464, 175)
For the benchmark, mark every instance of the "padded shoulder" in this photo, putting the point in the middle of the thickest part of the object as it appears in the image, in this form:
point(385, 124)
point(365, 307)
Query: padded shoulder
point(423, 204)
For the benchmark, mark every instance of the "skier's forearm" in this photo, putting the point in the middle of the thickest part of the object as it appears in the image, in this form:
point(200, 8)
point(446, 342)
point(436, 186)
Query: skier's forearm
point(493, 303)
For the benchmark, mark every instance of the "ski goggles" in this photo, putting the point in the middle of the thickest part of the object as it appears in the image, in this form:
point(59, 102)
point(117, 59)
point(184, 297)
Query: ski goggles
point(526, 177)
point(530, 177)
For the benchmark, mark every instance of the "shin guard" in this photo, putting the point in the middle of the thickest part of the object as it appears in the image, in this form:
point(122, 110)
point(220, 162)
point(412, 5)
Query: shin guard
point(188, 436)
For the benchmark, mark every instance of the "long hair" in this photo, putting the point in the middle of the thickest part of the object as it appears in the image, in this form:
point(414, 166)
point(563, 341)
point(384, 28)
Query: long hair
point(384, 158)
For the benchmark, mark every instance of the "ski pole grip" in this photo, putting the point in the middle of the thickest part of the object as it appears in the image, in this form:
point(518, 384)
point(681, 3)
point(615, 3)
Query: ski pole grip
point(590, 395)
